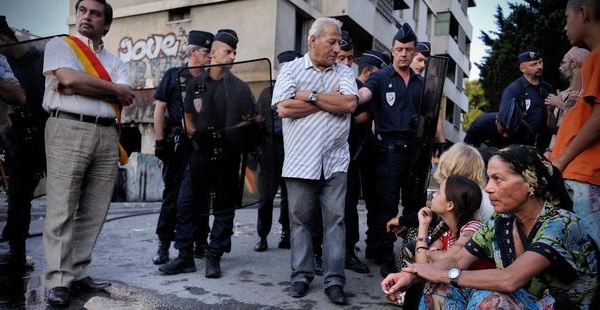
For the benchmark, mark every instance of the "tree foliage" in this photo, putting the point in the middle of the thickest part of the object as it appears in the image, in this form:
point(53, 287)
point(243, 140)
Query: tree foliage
point(477, 102)
point(537, 24)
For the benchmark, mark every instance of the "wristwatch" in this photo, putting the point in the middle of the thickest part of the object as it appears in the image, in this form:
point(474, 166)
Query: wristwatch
point(312, 98)
point(454, 274)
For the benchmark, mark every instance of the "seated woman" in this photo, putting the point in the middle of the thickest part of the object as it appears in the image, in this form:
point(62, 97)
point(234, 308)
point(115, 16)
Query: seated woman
point(542, 255)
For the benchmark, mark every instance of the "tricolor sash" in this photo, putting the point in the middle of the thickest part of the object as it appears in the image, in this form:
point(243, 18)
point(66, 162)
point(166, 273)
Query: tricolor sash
point(93, 66)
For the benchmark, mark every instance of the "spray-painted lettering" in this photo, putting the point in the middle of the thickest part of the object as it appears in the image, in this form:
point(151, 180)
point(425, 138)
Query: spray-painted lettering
point(153, 47)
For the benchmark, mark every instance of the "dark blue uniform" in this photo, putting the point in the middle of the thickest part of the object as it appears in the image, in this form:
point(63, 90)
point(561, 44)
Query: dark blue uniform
point(25, 156)
point(394, 108)
point(179, 150)
point(531, 97)
point(357, 140)
point(484, 131)
point(271, 162)
point(218, 108)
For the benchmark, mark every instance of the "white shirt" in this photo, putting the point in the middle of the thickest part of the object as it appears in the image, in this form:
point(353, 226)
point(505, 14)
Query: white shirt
point(59, 54)
point(315, 145)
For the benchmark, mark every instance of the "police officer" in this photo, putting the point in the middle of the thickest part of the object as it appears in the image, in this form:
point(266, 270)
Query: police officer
point(420, 61)
point(530, 91)
point(219, 111)
point(500, 129)
point(270, 174)
point(23, 142)
point(172, 146)
point(394, 92)
point(361, 140)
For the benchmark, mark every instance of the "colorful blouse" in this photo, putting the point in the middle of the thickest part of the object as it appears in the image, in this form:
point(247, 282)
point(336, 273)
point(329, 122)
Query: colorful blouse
point(558, 236)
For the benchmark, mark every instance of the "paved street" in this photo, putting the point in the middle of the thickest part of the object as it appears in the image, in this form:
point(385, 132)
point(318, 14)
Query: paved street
point(251, 280)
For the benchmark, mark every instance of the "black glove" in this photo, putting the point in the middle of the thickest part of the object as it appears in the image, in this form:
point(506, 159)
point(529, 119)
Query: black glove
point(161, 149)
point(198, 138)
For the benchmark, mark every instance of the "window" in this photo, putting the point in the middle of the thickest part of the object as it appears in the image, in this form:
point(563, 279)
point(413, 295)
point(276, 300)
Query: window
point(416, 11)
point(303, 23)
point(442, 24)
point(457, 117)
point(179, 14)
point(449, 115)
point(386, 8)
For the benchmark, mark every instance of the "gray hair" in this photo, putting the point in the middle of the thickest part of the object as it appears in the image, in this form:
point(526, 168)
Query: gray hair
point(189, 49)
point(317, 27)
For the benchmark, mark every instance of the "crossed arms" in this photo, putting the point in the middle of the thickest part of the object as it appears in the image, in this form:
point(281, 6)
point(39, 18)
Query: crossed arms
point(76, 82)
point(299, 106)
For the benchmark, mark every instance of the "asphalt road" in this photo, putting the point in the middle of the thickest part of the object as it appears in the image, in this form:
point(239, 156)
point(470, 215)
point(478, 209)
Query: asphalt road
point(251, 280)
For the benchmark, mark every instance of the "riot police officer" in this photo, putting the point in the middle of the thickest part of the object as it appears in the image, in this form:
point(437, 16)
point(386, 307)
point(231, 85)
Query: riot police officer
point(219, 110)
point(172, 146)
point(270, 174)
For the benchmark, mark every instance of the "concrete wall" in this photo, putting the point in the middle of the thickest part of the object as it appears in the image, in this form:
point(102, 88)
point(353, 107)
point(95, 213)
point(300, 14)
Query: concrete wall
point(143, 178)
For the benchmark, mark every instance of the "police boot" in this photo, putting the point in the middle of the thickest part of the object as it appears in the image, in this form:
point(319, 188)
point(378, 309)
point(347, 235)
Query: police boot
point(200, 249)
point(162, 254)
point(285, 243)
point(213, 265)
point(183, 263)
point(262, 245)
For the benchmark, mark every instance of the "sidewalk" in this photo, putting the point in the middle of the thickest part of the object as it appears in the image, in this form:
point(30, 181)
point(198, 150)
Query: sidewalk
point(251, 280)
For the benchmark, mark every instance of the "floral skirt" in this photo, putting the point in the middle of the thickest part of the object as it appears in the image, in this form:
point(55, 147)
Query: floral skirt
point(442, 296)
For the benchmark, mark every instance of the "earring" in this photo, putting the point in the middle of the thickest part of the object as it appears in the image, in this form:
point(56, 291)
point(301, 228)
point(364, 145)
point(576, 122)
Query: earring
point(530, 195)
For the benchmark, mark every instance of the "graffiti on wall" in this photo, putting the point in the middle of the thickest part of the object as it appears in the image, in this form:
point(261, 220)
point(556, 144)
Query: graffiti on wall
point(147, 59)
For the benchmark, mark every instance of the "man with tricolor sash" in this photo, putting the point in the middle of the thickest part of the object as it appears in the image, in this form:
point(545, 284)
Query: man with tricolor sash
point(86, 88)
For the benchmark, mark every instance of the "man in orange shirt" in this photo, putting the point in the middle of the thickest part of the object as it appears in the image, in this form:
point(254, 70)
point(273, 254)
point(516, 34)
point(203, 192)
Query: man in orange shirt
point(577, 149)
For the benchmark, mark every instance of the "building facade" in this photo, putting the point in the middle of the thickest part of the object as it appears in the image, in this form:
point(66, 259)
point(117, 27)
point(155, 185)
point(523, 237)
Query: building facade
point(150, 37)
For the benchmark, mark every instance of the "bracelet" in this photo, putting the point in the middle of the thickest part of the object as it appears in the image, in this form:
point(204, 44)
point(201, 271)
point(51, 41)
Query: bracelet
point(425, 239)
point(422, 248)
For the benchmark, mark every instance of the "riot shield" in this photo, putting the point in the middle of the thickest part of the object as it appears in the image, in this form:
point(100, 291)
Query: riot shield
point(22, 127)
point(414, 191)
point(231, 117)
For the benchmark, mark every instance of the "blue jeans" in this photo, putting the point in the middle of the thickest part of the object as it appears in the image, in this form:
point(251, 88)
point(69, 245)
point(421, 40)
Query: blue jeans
point(305, 198)
point(586, 204)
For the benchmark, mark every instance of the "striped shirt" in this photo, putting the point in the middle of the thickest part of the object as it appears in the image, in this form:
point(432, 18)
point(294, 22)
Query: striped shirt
point(315, 145)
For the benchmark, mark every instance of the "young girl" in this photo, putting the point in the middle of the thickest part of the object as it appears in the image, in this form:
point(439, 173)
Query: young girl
point(456, 203)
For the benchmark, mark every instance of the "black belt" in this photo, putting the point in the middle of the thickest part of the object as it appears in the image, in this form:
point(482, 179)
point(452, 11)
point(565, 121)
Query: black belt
point(393, 145)
point(96, 120)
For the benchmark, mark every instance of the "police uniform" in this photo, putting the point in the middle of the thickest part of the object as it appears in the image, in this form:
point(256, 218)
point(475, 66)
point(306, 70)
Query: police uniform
point(394, 108)
point(270, 173)
point(222, 113)
point(531, 97)
point(364, 155)
point(175, 149)
point(485, 131)
point(25, 154)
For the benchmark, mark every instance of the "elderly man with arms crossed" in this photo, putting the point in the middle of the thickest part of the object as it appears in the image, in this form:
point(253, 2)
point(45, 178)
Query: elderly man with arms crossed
point(314, 97)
